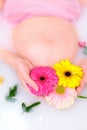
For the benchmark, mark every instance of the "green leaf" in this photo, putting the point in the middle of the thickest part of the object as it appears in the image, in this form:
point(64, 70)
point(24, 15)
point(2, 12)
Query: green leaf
point(85, 50)
point(24, 107)
point(12, 94)
point(13, 91)
point(29, 108)
point(11, 99)
point(82, 96)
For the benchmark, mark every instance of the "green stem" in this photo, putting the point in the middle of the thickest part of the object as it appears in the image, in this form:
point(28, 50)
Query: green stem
point(82, 96)
point(28, 108)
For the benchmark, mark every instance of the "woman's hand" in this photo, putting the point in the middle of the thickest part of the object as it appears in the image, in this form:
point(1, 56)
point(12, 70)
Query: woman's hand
point(83, 64)
point(23, 67)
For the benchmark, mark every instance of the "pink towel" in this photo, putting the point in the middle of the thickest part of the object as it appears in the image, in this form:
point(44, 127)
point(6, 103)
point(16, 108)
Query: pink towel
point(18, 10)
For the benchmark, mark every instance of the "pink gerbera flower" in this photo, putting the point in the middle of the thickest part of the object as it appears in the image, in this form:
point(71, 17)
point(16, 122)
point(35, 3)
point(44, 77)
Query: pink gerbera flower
point(62, 97)
point(45, 78)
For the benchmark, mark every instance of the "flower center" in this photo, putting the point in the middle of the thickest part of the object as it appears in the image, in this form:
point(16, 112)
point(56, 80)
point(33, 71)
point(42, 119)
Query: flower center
point(60, 90)
point(68, 74)
point(42, 78)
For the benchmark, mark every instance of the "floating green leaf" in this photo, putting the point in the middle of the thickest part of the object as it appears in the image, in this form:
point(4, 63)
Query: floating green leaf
point(85, 50)
point(82, 96)
point(12, 94)
point(28, 108)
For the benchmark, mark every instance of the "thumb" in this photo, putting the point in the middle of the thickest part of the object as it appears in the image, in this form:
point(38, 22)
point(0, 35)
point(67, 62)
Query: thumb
point(83, 64)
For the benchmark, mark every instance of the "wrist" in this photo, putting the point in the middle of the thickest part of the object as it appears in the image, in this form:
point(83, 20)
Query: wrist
point(8, 57)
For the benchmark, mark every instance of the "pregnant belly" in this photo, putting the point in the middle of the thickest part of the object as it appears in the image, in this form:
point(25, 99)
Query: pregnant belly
point(44, 41)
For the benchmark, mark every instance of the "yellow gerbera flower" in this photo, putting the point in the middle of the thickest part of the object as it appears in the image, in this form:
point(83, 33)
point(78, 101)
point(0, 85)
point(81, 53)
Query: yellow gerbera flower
point(1, 80)
point(69, 75)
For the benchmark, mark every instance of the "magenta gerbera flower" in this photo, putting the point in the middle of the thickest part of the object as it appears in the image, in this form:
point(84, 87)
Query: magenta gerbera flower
point(45, 78)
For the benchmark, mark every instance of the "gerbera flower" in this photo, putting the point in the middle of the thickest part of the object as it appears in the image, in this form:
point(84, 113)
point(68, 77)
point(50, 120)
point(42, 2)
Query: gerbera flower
point(69, 75)
point(61, 97)
point(45, 78)
point(1, 80)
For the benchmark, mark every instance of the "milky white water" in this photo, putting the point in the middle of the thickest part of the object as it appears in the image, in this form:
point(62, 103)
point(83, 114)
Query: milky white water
point(42, 117)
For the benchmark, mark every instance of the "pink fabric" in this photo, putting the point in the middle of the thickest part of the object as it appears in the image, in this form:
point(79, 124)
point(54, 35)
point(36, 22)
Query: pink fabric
point(18, 10)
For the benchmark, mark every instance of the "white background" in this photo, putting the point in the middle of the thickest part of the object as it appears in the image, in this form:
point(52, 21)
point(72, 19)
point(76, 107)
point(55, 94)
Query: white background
point(42, 117)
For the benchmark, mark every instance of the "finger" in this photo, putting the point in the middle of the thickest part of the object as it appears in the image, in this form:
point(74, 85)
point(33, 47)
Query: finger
point(25, 76)
point(24, 85)
point(79, 89)
point(28, 80)
point(30, 65)
point(83, 64)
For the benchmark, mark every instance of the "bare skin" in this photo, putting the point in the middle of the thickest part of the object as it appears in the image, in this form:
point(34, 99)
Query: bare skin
point(37, 42)
point(83, 2)
point(1, 4)
point(47, 42)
